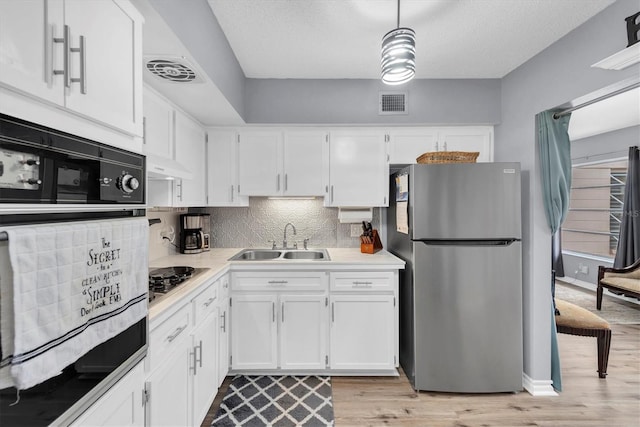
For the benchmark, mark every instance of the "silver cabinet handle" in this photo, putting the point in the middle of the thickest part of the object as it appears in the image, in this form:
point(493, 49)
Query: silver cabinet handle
point(200, 352)
point(286, 182)
point(445, 146)
point(65, 55)
point(177, 332)
point(208, 302)
point(195, 361)
point(224, 322)
point(232, 193)
point(365, 284)
point(278, 182)
point(333, 312)
point(179, 186)
point(273, 311)
point(278, 282)
point(83, 67)
point(332, 194)
point(282, 313)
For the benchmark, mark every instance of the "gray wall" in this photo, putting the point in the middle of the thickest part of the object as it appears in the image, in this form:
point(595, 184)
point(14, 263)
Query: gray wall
point(445, 101)
point(195, 24)
point(610, 145)
point(559, 74)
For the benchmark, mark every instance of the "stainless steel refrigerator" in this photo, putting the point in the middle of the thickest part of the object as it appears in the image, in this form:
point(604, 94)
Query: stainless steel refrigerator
point(461, 291)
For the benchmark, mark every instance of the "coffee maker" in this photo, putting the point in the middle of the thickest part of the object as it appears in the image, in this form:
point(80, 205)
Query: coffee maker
point(192, 238)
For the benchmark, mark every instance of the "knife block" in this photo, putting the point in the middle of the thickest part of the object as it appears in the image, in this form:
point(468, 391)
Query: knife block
point(371, 248)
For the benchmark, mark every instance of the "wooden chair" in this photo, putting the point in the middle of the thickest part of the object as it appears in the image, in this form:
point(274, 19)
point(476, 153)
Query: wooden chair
point(621, 281)
point(576, 320)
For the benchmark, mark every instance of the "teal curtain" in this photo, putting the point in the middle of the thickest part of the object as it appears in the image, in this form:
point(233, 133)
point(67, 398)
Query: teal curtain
point(555, 164)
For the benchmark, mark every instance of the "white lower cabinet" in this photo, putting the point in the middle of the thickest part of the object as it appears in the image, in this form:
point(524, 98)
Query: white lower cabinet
point(183, 368)
point(362, 332)
point(204, 366)
point(279, 321)
point(364, 320)
point(254, 332)
point(303, 331)
point(223, 339)
point(121, 406)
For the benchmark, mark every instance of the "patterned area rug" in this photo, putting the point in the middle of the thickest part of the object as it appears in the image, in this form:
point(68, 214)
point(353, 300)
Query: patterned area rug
point(284, 401)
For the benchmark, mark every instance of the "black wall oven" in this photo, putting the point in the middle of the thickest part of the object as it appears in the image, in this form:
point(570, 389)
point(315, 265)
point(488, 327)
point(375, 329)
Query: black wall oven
point(50, 176)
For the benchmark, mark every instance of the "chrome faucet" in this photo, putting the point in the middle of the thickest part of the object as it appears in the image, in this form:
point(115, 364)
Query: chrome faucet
point(284, 242)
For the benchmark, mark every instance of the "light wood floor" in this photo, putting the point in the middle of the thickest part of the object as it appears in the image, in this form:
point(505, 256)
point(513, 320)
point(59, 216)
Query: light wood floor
point(586, 400)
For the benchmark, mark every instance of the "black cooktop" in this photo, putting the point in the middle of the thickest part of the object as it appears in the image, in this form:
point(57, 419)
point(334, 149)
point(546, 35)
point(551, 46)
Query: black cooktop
point(162, 280)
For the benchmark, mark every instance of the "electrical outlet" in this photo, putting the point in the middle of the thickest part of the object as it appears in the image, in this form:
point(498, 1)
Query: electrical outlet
point(356, 230)
point(583, 269)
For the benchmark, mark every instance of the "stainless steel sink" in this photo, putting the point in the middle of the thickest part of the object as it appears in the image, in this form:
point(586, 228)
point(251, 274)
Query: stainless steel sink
point(281, 255)
point(306, 254)
point(255, 255)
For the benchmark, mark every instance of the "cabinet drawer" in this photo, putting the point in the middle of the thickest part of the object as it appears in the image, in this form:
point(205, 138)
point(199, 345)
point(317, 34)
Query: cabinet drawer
point(363, 281)
point(205, 302)
point(168, 336)
point(303, 281)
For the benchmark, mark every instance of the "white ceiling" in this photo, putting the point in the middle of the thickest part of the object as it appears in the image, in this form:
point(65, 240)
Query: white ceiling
point(331, 39)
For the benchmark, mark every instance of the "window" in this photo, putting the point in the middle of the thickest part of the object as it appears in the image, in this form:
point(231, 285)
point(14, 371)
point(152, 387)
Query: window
point(592, 225)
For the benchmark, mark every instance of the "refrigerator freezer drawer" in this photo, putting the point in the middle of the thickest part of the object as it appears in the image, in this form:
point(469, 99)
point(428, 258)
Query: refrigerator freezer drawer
point(468, 318)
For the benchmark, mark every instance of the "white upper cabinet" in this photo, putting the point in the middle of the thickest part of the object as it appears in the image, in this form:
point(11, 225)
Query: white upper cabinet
point(158, 126)
point(407, 144)
point(472, 138)
point(273, 163)
point(82, 55)
point(260, 163)
point(358, 169)
point(303, 163)
point(222, 169)
point(190, 149)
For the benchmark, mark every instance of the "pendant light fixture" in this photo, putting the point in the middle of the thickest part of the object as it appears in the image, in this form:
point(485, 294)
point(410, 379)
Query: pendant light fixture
point(398, 54)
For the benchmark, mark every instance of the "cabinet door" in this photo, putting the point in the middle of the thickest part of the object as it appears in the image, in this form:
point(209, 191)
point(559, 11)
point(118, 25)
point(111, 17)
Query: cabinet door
point(223, 340)
point(254, 332)
point(109, 63)
point(222, 169)
point(204, 366)
point(190, 152)
point(260, 164)
point(303, 163)
point(158, 129)
point(27, 51)
point(473, 138)
point(406, 145)
point(303, 333)
point(169, 390)
point(362, 332)
point(121, 406)
point(358, 169)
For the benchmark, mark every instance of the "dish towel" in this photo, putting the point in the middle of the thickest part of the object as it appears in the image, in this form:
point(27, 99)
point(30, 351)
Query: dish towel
point(72, 287)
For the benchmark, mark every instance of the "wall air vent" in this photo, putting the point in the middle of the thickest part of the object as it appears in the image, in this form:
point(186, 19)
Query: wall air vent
point(174, 69)
point(390, 103)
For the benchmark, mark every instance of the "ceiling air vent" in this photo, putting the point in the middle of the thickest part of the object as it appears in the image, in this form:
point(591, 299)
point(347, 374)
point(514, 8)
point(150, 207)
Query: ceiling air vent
point(393, 103)
point(176, 70)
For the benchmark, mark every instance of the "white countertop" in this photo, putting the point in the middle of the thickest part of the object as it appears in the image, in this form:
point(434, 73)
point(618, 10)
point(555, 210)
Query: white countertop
point(217, 262)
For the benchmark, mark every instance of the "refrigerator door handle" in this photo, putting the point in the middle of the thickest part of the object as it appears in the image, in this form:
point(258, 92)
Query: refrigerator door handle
point(487, 242)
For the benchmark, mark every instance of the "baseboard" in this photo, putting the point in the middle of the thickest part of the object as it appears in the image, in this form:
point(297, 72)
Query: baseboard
point(538, 387)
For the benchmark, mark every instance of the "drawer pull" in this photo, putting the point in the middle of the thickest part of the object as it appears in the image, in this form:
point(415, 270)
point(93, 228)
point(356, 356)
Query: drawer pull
point(209, 301)
point(278, 282)
point(366, 284)
point(224, 322)
point(176, 333)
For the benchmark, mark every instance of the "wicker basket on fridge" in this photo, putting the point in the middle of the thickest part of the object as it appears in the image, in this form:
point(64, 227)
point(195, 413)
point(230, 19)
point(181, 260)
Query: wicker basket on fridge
point(448, 157)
